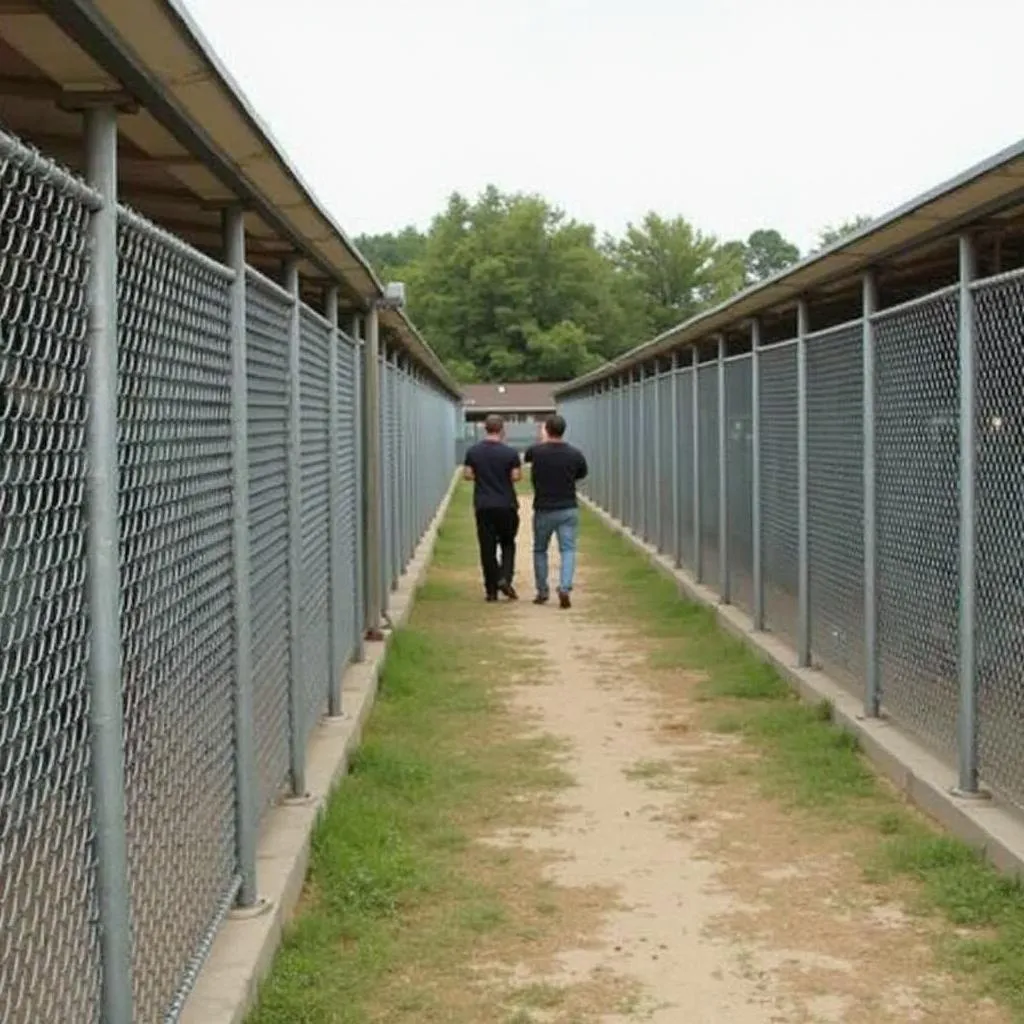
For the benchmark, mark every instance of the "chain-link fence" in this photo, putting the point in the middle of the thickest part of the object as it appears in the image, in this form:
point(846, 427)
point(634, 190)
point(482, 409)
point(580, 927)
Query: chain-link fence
point(205, 355)
point(886, 500)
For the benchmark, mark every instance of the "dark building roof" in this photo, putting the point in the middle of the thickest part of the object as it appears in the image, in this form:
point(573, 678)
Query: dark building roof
point(533, 396)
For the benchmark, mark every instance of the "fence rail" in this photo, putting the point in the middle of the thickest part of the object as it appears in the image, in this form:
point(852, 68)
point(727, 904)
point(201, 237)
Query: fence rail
point(231, 395)
point(853, 525)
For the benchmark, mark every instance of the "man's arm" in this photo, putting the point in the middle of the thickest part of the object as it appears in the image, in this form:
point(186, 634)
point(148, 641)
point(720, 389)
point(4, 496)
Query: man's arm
point(528, 455)
point(581, 467)
point(467, 468)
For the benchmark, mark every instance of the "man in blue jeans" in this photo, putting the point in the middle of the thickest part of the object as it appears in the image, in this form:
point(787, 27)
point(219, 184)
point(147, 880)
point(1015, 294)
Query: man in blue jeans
point(556, 468)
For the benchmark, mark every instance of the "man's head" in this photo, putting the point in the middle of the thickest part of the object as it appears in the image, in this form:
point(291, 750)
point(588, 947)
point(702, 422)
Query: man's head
point(554, 427)
point(494, 425)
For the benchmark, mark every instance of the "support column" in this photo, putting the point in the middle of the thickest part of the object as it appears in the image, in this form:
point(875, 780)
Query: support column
point(106, 711)
point(758, 529)
point(967, 723)
point(677, 507)
point(296, 696)
point(698, 525)
point(872, 679)
point(803, 651)
point(359, 554)
point(372, 480)
point(246, 784)
point(658, 457)
point(724, 575)
point(334, 539)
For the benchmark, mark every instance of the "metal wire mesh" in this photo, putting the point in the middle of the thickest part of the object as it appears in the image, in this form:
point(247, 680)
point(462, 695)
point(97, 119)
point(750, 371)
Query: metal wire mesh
point(649, 468)
point(177, 604)
point(665, 429)
point(684, 418)
point(779, 493)
point(314, 390)
point(709, 511)
point(739, 433)
point(48, 939)
point(348, 465)
point(999, 551)
point(917, 467)
point(835, 465)
point(267, 318)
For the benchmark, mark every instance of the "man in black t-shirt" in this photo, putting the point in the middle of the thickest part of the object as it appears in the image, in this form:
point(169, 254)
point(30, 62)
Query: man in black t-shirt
point(494, 469)
point(556, 469)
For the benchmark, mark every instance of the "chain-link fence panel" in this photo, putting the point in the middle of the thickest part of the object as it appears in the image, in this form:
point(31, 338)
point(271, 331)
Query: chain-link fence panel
point(739, 464)
point(635, 464)
point(348, 466)
point(650, 441)
point(709, 484)
point(174, 411)
point(684, 425)
point(917, 474)
point(999, 545)
point(49, 968)
point(780, 513)
point(314, 502)
point(666, 531)
point(835, 485)
point(267, 316)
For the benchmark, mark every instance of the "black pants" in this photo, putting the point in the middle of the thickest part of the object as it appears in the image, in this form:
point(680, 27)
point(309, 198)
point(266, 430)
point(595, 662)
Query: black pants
point(496, 528)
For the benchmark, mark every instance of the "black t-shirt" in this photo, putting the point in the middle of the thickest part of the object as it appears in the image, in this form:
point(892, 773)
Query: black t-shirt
point(557, 467)
point(492, 463)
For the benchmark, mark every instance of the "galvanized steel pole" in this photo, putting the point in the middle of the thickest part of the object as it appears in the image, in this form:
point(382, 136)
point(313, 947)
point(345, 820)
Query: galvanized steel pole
point(106, 714)
point(967, 724)
point(803, 652)
point(674, 426)
point(698, 525)
point(757, 527)
point(872, 682)
point(359, 554)
point(296, 702)
point(724, 576)
point(336, 560)
point(372, 481)
point(246, 800)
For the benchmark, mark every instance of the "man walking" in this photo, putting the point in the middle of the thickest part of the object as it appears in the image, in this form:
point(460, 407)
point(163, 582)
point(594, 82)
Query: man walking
point(556, 469)
point(494, 468)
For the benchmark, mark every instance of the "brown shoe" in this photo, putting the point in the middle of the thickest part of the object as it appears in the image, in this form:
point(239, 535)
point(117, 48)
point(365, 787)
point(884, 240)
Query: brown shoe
point(541, 599)
point(508, 590)
point(564, 601)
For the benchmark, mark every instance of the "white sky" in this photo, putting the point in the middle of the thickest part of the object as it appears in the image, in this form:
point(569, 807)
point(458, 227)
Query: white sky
point(736, 114)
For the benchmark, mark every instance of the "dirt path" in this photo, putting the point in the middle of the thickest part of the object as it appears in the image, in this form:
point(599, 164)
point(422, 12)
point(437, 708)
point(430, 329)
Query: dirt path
point(728, 909)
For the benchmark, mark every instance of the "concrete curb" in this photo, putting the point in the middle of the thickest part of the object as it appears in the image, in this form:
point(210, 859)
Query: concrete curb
point(995, 829)
point(244, 947)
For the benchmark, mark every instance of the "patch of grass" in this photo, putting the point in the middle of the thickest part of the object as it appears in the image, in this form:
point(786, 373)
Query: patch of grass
point(649, 770)
point(805, 761)
point(397, 890)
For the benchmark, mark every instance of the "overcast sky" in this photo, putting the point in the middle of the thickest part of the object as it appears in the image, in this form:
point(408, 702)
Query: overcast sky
point(736, 114)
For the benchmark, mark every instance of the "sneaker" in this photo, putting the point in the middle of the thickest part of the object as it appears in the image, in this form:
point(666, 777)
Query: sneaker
point(508, 590)
point(541, 599)
point(564, 601)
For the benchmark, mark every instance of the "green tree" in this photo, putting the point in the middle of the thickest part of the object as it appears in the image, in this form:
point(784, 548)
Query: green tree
point(390, 253)
point(768, 253)
point(676, 269)
point(837, 232)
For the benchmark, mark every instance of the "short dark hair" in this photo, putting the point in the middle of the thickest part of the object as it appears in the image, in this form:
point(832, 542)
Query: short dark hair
point(555, 426)
point(494, 424)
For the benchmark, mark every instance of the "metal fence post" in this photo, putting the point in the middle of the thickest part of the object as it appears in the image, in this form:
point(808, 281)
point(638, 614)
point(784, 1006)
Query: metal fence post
point(658, 460)
point(395, 473)
point(757, 529)
point(106, 711)
point(674, 444)
point(803, 653)
point(724, 580)
point(246, 783)
point(698, 525)
point(296, 711)
point(373, 519)
point(967, 725)
point(359, 598)
point(872, 688)
point(334, 586)
point(641, 457)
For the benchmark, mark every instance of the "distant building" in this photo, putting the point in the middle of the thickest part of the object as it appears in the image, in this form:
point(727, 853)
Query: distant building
point(523, 406)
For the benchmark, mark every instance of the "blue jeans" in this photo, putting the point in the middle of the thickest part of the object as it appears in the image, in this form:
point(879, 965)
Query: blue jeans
point(565, 522)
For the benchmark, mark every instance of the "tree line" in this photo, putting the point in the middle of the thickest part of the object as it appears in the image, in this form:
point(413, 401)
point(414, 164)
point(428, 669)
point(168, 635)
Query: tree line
point(508, 287)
